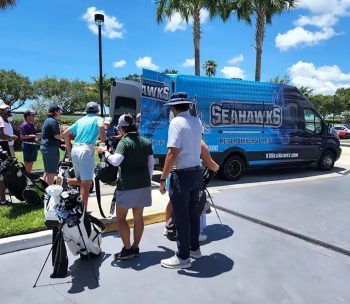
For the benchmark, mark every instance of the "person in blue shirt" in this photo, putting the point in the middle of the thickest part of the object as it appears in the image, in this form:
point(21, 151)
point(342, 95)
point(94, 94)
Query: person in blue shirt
point(50, 143)
point(86, 131)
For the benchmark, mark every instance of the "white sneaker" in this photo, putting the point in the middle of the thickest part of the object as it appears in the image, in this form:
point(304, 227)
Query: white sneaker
point(176, 263)
point(196, 254)
point(202, 237)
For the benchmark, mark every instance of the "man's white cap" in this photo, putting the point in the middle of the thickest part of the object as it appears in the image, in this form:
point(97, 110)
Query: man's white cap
point(108, 119)
point(3, 105)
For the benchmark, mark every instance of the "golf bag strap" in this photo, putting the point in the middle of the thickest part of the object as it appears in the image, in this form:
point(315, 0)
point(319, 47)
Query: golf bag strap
point(97, 222)
point(98, 196)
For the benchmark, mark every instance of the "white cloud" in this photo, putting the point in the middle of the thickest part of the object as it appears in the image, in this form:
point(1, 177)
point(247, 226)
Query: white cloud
point(236, 59)
point(177, 23)
point(111, 28)
point(119, 64)
point(301, 37)
point(146, 62)
point(232, 72)
point(323, 79)
point(324, 14)
point(188, 63)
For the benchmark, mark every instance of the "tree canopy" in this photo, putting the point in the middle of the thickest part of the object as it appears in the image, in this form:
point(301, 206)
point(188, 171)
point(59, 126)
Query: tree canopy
point(15, 89)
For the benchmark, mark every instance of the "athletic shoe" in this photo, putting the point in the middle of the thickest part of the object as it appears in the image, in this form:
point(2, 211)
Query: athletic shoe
point(136, 251)
point(5, 202)
point(202, 237)
point(125, 254)
point(176, 263)
point(196, 254)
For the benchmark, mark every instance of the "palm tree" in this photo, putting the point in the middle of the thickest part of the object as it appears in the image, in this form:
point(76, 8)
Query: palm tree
point(6, 3)
point(187, 9)
point(210, 68)
point(263, 10)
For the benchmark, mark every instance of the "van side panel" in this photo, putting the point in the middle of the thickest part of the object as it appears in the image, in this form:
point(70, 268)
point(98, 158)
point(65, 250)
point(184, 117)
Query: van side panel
point(264, 122)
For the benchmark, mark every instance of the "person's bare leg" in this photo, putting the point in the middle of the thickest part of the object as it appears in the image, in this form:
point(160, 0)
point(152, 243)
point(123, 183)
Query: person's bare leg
point(85, 191)
point(28, 166)
point(168, 212)
point(123, 225)
point(138, 225)
point(50, 178)
point(2, 192)
point(73, 181)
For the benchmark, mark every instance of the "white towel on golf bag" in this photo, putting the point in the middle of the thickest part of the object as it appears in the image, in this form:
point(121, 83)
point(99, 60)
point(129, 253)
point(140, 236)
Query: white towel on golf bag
point(92, 237)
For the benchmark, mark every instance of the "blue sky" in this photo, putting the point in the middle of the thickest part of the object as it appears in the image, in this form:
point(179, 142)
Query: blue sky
point(57, 38)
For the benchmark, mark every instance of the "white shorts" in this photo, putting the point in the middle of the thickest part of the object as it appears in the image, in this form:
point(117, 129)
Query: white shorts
point(83, 161)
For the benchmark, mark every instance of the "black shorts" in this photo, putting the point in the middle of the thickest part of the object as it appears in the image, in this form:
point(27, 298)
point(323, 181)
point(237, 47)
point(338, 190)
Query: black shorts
point(5, 147)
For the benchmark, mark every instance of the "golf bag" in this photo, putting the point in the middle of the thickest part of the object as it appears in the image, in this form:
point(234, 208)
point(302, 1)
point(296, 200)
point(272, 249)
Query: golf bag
point(12, 174)
point(81, 231)
point(34, 192)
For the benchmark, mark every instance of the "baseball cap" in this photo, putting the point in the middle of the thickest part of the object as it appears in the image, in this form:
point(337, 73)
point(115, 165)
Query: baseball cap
point(123, 123)
point(178, 98)
point(28, 112)
point(92, 107)
point(3, 105)
point(54, 107)
point(108, 120)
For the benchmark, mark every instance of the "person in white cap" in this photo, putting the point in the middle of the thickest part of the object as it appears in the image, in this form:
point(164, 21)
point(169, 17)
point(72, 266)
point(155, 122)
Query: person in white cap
point(184, 150)
point(6, 136)
point(86, 131)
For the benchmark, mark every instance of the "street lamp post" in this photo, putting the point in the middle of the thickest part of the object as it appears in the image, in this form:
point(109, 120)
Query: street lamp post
point(334, 97)
point(99, 20)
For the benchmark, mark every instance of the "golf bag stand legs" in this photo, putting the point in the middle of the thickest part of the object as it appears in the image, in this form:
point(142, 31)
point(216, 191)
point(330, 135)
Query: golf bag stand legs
point(54, 244)
point(212, 202)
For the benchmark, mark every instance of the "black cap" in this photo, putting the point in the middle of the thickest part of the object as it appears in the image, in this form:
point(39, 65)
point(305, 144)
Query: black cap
point(92, 107)
point(28, 112)
point(54, 107)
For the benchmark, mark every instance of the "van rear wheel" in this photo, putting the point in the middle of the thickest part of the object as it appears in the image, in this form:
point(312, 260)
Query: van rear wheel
point(326, 161)
point(233, 168)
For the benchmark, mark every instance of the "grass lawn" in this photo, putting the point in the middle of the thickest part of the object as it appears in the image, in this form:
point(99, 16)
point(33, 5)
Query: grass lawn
point(21, 218)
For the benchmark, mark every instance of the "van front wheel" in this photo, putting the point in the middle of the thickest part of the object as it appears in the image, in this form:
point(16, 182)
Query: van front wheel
point(233, 168)
point(326, 161)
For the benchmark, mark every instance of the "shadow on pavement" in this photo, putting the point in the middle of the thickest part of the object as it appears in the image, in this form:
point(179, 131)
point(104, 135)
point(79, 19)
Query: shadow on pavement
point(145, 260)
point(81, 272)
point(209, 266)
point(217, 232)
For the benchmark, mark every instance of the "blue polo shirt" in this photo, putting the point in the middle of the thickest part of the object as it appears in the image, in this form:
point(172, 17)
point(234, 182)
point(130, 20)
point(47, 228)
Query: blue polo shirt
point(86, 129)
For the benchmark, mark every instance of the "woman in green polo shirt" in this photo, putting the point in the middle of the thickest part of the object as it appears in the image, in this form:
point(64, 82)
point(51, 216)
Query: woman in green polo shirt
point(134, 156)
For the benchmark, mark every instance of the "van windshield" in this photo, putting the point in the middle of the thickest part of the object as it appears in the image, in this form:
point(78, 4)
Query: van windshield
point(313, 123)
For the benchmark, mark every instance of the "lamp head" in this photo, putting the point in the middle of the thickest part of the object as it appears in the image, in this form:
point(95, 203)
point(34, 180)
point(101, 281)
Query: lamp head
point(99, 19)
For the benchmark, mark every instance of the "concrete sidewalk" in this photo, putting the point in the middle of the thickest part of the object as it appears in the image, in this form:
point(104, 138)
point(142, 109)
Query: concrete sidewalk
point(153, 214)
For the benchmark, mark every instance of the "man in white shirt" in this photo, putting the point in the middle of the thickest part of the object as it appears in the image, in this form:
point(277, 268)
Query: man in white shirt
point(184, 149)
point(6, 136)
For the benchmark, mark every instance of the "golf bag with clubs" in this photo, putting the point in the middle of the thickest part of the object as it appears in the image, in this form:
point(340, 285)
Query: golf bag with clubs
point(81, 232)
point(23, 185)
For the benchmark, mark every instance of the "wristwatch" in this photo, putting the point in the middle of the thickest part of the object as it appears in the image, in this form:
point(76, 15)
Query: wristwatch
point(163, 180)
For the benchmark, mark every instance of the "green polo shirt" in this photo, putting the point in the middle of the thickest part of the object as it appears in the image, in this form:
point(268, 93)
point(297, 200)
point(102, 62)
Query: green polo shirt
point(134, 172)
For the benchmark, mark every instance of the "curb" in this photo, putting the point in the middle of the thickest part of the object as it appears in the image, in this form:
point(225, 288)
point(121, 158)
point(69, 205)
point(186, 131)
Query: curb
point(42, 238)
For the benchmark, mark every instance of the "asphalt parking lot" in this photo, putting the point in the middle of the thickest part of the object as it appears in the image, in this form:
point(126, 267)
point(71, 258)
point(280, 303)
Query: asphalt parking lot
point(284, 239)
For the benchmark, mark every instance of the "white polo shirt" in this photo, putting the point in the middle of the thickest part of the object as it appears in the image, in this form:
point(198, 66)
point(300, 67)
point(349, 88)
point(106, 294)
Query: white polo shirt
point(8, 130)
point(185, 133)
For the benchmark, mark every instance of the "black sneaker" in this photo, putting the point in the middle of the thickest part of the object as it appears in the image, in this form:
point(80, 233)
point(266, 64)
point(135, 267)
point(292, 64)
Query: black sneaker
point(136, 251)
point(125, 254)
